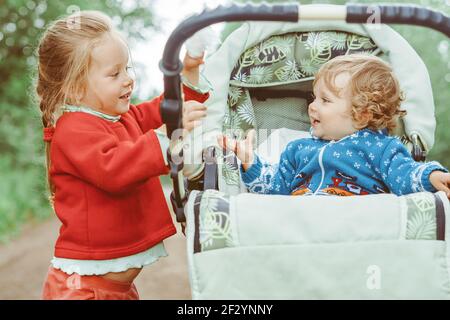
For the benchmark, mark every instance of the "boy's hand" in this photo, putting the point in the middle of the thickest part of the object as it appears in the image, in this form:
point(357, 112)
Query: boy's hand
point(242, 148)
point(441, 180)
point(191, 68)
point(193, 112)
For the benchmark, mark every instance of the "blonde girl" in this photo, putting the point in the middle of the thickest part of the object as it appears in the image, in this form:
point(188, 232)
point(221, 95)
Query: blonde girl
point(104, 159)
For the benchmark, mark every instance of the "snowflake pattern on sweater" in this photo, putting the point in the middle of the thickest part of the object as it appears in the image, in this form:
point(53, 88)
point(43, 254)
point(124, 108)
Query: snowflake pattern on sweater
point(365, 162)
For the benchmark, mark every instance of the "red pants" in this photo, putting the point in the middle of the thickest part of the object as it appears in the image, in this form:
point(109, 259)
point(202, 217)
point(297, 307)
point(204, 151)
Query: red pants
point(61, 286)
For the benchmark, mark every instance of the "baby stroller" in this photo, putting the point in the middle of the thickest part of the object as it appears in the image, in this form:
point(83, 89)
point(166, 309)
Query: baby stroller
point(251, 246)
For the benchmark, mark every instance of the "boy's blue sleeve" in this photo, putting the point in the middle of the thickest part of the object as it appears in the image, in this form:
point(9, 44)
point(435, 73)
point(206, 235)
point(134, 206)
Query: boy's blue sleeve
point(268, 178)
point(402, 174)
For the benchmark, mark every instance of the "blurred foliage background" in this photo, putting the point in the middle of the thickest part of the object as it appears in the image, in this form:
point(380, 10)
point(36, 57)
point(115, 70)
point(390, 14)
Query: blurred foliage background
point(23, 194)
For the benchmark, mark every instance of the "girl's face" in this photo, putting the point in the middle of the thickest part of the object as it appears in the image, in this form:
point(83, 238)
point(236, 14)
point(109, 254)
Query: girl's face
point(109, 85)
point(330, 115)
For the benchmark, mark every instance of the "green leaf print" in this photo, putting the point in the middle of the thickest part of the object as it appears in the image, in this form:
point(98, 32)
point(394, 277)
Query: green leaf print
point(215, 227)
point(366, 43)
point(421, 226)
point(245, 112)
point(317, 41)
point(260, 75)
point(309, 67)
point(242, 77)
point(284, 43)
point(289, 72)
point(236, 121)
point(421, 223)
point(230, 174)
point(234, 93)
point(354, 43)
point(320, 52)
point(337, 40)
point(273, 49)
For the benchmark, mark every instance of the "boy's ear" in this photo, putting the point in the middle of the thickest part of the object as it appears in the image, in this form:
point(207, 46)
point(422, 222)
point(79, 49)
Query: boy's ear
point(363, 118)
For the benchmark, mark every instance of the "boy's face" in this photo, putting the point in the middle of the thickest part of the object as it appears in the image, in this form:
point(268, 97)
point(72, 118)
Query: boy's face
point(330, 115)
point(109, 84)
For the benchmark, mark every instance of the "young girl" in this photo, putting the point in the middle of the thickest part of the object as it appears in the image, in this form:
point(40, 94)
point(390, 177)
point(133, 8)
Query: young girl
point(357, 99)
point(104, 159)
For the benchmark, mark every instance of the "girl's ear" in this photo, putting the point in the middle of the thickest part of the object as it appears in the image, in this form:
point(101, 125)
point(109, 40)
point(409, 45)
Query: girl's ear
point(75, 95)
point(79, 98)
point(79, 95)
point(75, 99)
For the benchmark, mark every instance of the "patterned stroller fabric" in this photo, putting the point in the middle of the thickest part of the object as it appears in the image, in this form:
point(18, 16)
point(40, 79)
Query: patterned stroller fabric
point(371, 247)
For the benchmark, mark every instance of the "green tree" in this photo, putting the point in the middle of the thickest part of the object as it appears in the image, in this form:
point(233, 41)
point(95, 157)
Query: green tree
point(23, 193)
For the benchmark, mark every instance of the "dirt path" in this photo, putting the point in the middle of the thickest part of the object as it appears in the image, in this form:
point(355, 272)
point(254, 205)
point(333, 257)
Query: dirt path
point(25, 260)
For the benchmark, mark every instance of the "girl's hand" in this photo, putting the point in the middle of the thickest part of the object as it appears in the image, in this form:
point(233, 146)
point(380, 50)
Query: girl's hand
point(242, 148)
point(193, 112)
point(441, 180)
point(190, 63)
point(191, 68)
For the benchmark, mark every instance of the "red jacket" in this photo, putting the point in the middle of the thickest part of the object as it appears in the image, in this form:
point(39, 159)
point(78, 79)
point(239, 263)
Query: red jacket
point(108, 195)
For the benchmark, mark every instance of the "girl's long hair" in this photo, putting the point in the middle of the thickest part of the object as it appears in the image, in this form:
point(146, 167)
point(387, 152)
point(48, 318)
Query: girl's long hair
point(64, 54)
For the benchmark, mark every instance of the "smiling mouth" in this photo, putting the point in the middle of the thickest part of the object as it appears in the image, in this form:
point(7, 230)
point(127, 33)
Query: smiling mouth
point(125, 96)
point(315, 121)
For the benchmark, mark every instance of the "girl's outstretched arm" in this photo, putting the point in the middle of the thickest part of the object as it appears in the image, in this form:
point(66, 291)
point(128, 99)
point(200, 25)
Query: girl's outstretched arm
point(87, 150)
point(148, 114)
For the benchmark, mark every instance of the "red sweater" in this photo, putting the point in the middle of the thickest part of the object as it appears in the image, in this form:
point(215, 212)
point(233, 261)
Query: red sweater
point(108, 195)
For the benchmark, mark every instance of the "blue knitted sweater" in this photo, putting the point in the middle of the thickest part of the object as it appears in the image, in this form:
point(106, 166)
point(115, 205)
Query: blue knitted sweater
point(365, 162)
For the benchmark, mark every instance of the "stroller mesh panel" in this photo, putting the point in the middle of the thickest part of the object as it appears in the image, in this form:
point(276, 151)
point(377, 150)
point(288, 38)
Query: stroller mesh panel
point(271, 114)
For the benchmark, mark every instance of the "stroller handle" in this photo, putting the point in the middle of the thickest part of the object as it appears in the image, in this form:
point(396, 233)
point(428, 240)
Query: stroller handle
point(412, 15)
point(171, 66)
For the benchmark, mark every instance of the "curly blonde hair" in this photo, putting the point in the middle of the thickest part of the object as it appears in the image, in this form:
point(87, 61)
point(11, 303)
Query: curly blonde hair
point(375, 91)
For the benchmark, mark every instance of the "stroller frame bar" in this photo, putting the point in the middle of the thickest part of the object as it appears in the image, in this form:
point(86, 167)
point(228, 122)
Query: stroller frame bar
point(171, 66)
